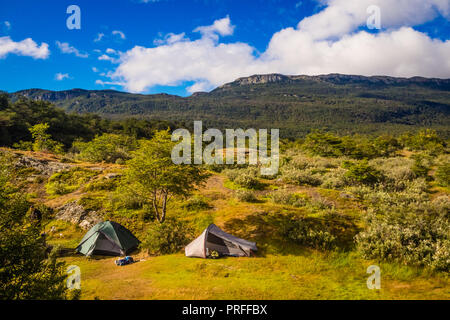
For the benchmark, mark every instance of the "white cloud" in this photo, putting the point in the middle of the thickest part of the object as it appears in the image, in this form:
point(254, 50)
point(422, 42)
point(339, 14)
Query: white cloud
point(119, 33)
point(200, 86)
point(61, 76)
point(7, 25)
point(99, 37)
point(170, 38)
point(114, 83)
point(25, 47)
point(94, 69)
point(67, 48)
point(105, 57)
point(221, 27)
point(404, 52)
point(343, 16)
point(327, 42)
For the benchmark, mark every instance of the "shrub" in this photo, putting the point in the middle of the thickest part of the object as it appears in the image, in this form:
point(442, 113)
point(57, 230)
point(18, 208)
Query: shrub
point(362, 173)
point(415, 235)
point(420, 169)
point(196, 204)
point(443, 174)
point(397, 172)
point(300, 177)
point(335, 179)
point(246, 178)
point(320, 203)
point(356, 147)
point(68, 181)
point(304, 232)
point(246, 196)
point(101, 185)
point(125, 198)
point(288, 198)
point(247, 181)
point(424, 140)
point(168, 237)
point(112, 148)
point(23, 145)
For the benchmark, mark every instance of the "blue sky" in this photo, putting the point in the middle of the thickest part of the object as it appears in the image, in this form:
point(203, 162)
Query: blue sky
point(151, 47)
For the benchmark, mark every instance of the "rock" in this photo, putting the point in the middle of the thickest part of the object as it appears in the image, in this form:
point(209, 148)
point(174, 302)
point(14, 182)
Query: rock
point(44, 167)
point(76, 214)
point(346, 195)
point(111, 176)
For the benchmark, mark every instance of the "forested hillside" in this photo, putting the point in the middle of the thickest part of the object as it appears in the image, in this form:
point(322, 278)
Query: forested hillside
point(295, 104)
point(17, 117)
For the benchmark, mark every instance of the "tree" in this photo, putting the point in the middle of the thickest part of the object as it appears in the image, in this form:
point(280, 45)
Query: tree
point(107, 147)
point(42, 140)
point(25, 271)
point(362, 173)
point(152, 174)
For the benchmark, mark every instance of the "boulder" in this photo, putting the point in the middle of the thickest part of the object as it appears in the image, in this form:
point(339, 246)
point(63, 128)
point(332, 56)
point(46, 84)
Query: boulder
point(76, 214)
point(45, 167)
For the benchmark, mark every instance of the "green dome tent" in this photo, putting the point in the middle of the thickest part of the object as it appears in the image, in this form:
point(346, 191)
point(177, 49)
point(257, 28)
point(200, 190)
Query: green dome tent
point(107, 238)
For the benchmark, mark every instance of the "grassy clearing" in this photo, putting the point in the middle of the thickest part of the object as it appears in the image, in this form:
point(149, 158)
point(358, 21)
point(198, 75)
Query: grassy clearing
point(306, 275)
point(282, 269)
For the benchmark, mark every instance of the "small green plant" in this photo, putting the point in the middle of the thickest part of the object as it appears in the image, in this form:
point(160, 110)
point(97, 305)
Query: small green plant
point(246, 196)
point(305, 232)
point(23, 145)
point(420, 169)
point(196, 204)
point(168, 237)
point(443, 174)
point(68, 181)
point(288, 198)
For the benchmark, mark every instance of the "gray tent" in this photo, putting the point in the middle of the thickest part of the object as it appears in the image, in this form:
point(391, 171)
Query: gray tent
point(213, 238)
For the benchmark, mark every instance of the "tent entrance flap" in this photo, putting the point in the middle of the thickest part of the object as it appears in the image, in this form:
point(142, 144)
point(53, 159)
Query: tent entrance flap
point(103, 244)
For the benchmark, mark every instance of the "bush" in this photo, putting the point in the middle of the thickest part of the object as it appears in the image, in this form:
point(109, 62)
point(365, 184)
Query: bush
point(304, 232)
point(292, 175)
point(416, 235)
point(397, 172)
point(125, 198)
point(288, 198)
point(23, 145)
point(246, 196)
point(362, 173)
point(334, 179)
point(196, 204)
point(421, 169)
point(68, 181)
point(424, 140)
point(247, 181)
point(443, 175)
point(246, 178)
point(356, 147)
point(168, 237)
point(112, 148)
point(101, 184)
point(320, 203)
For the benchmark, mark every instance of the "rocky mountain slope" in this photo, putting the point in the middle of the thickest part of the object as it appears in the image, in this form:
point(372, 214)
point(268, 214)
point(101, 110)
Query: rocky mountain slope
point(295, 104)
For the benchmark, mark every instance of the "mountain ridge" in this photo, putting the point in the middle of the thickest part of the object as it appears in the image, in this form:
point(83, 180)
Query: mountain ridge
point(296, 104)
point(335, 78)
